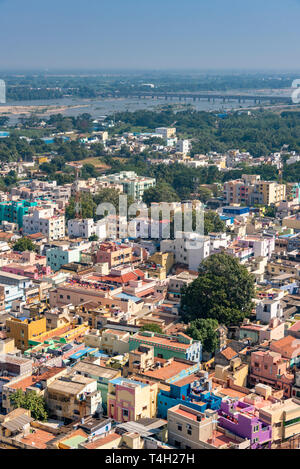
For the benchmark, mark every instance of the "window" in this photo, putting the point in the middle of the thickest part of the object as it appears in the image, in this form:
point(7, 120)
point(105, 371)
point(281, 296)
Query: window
point(179, 427)
point(125, 412)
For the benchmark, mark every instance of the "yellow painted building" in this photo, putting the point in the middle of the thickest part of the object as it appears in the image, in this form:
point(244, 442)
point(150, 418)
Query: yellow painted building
point(236, 372)
point(7, 346)
point(162, 264)
point(22, 331)
point(272, 192)
point(284, 418)
point(42, 159)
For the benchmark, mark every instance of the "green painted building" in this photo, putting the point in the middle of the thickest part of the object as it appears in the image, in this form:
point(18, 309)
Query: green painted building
point(165, 346)
point(14, 211)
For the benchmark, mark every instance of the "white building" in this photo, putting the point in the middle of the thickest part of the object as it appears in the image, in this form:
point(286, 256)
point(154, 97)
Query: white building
point(43, 220)
point(188, 248)
point(268, 309)
point(183, 146)
point(81, 228)
point(100, 229)
point(218, 241)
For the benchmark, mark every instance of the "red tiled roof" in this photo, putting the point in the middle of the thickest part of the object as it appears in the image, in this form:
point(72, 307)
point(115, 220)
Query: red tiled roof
point(102, 441)
point(229, 353)
point(38, 439)
point(289, 347)
point(30, 380)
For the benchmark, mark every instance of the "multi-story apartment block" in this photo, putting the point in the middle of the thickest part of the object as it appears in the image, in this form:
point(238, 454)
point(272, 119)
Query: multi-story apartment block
point(61, 255)
point(14, 211)
point(268, 309)
point(283, 417)
point(188, 248)
point(166, 132)
point(272, 369)
point(114, 254)
point(81, 228)
point(251, 190)
point(241, 419)
point(133, 185)
point(43, 220)
point(72, 397)
point(183, 146)
point(22, 330)
point(102, 374)
point(180, 346)
point(191, 429)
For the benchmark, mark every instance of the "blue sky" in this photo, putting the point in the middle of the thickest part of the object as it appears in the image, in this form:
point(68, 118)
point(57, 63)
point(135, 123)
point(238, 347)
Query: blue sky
point(156, 34)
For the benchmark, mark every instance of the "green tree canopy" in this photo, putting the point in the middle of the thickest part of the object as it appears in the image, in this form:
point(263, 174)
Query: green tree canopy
point(205, 330)
point(110, 195)
point(152, 327)
point(204, 193)
point(31, 401)
point(223, 291)
point(213, 223)
point(24, 244)
point(86, 207)
point(162, 192)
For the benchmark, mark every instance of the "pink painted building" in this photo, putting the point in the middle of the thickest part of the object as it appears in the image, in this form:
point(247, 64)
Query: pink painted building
point(131, 400)
point(271, 368)
point(114, 254)
point(34, 272)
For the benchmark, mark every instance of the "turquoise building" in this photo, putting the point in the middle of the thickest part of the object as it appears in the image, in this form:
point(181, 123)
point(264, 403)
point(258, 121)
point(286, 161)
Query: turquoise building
point(14, 211)
point(59, 256)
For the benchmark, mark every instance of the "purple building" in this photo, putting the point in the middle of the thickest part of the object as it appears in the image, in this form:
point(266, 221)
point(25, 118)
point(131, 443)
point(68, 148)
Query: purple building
point(241, 419)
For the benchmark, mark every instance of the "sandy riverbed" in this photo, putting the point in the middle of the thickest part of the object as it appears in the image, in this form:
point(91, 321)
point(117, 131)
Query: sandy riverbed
point(44, 110)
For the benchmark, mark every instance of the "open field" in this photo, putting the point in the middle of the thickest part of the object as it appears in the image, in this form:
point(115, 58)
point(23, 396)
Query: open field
point(95, 162)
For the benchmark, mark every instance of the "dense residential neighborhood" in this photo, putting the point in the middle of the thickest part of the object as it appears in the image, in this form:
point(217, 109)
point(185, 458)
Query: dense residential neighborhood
point(120, 331)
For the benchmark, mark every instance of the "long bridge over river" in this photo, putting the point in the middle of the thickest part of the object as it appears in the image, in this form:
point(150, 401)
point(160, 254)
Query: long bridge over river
point(225, 97)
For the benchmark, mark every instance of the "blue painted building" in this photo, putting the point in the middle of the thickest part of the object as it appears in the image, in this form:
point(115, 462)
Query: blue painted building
point(232, 211)
point(192, 391)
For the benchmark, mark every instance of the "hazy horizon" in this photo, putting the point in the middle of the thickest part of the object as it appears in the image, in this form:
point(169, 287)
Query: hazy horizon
point(164, 35)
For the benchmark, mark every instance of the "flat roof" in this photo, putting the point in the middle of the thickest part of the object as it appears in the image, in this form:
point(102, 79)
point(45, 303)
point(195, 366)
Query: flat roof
point(96, 370)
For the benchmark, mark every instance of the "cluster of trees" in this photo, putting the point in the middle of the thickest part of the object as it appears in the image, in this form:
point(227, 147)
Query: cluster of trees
point(24, 244)
point(14, 149)
point(205, 330)
point(81, 123)
point(223, 291)
point(87, 204)
point(260, 133)
point(30, 401)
